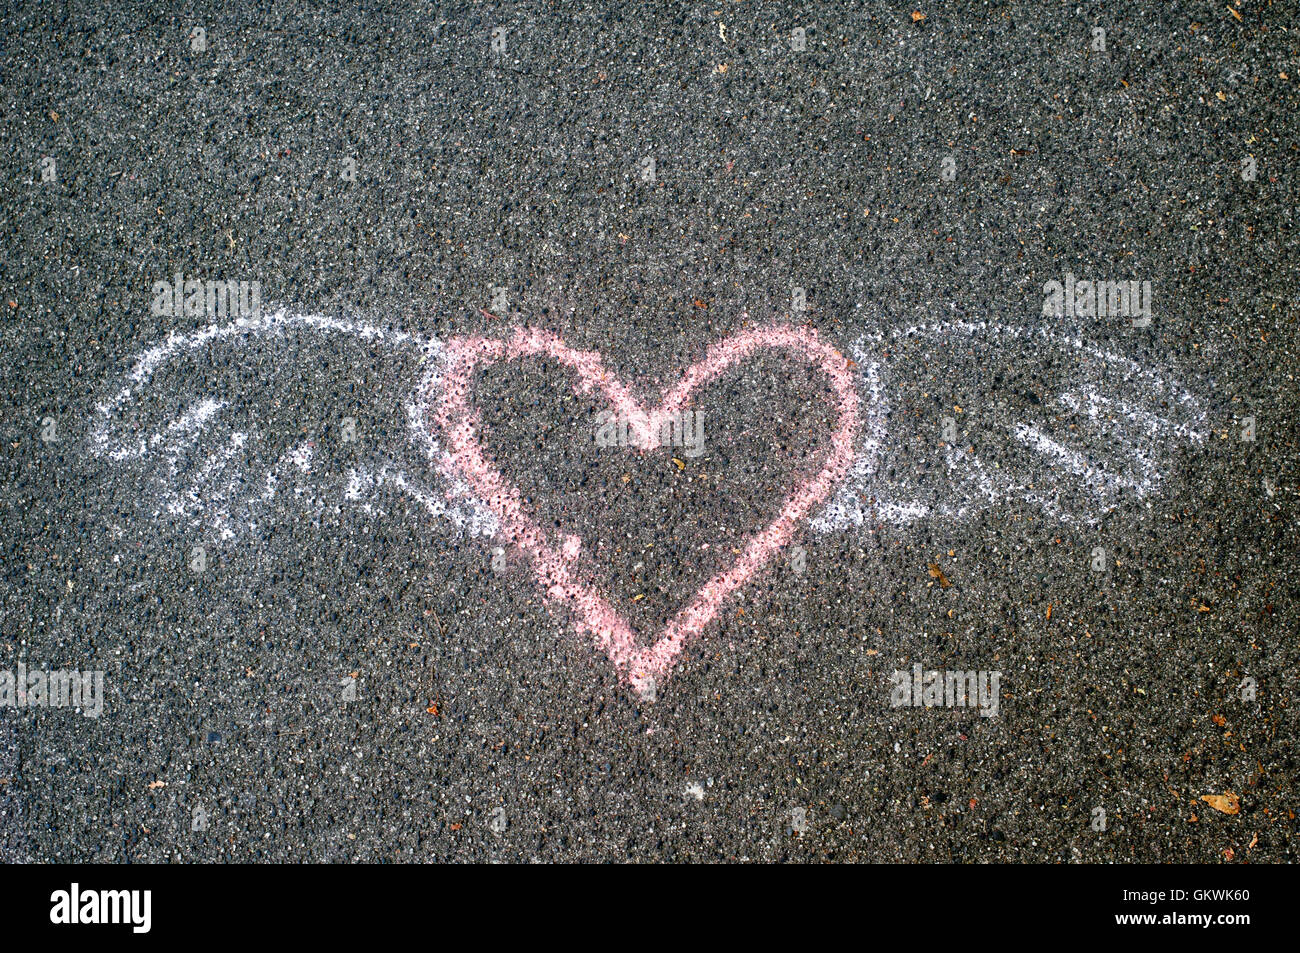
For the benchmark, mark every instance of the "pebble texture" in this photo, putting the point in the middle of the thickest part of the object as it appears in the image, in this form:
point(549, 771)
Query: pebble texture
point(354, 679)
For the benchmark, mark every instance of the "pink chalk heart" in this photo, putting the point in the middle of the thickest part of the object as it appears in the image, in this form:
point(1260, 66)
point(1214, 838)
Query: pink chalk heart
point(643, 667)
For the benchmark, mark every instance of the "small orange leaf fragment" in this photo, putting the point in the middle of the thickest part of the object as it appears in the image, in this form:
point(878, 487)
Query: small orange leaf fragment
point(1224, 803)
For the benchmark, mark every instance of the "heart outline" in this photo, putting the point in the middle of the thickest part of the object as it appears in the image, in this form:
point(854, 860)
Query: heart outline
point(642, 667)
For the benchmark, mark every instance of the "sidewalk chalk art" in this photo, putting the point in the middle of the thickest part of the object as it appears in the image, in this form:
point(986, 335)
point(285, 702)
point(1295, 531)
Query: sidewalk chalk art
point(1132, 420)
point(199, 467)
point(642, 667)
point(208, 477)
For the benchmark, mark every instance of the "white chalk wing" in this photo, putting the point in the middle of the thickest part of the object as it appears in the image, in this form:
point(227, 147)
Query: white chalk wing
point(964, 415)
point(229, 425)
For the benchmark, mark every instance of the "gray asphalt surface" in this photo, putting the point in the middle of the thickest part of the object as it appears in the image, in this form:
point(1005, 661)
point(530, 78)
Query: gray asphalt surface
point(523, 169)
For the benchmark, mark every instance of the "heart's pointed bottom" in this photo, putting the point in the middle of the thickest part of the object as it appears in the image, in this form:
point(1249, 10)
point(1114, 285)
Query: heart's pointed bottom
point(646, 688)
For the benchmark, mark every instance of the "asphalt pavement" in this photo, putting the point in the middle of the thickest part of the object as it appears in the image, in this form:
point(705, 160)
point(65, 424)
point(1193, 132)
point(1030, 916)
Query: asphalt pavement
point(320, 642)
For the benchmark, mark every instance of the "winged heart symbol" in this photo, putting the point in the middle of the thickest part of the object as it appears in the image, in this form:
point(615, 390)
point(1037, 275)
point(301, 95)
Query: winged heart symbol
point(643, 666)
point(211, 423)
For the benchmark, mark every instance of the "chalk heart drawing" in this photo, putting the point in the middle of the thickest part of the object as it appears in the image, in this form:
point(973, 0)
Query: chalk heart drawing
point(204, 453)
point(642, 666)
